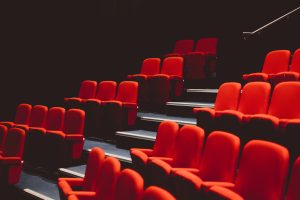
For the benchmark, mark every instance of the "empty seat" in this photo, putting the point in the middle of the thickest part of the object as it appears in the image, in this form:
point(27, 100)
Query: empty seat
point(207, 45)
point(106, 91)
point(87, 90)
point(254, 99)
point(169, 83)
point(35, 136)
point(187, 154)
point(163, 146)
point(261, 176)
point(194, 68)
point(66, 145)
point(293, 192)
point(292, 74)
point(218, 164)
point(22, 116)
point(11, 158)
point(182, 47)
point(89, 182)
point(227, 99)
point(150, 67)
point(120, 113)
point(3, 134)
point(129, 186)
point(275, 62)
point(156, 193)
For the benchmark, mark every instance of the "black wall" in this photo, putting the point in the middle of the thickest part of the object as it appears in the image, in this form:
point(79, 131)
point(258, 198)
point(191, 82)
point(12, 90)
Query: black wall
point(49, 48)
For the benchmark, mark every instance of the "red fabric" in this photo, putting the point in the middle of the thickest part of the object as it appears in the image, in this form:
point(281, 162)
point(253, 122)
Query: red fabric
point(74, 137)
point(38, 116)
point(23, 114)
point(151, 66)
point(14, 143)
point(183, 46)
point(87, 89)
point(228, 96)
point(295, 65)
point(172, 66)
point(156, 193)
point(127, 92)
point(207, 45)
point(293, 192)
point(74, 122)
point(225, 193)
point(55, 118)
point(10, 160)
point(106, 90)
point(73, 99)
point(259, 76)
point(276, 61)
point(3, 134)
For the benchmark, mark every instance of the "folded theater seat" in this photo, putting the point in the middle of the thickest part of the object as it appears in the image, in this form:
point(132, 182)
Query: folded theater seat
point(227, 99)
point(254, 99)
point(169, 83)
point(119, 114)
point(187, 154)
point(294, 71)
point(37, 118)
point(218, 164)
point(163, 147)
point(62, 147)
point(22, 116)
point(87, 90)
point(181, 47)
point(275, 62)
point(35, 137)
point(261, 176)
point(106, 91)
point(150, 67)
point(11, 157)
point(293, 192)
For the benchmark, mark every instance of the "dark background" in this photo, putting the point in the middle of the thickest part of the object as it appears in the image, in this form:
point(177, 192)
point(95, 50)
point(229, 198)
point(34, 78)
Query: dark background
point(49, 48)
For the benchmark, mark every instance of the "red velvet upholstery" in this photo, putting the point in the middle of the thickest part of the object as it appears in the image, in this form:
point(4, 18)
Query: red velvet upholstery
point(11, 158)
point(275, 62)
point(89, 182)
point(254, 99)
point(22, 116)
point(227, 99)
point(163, 146)
point(262, 173)
point(169, 83)
point(187, 154)
point(194, 67)
point(218, 164)
point(207, 46)
point(293, 192)
point(156, 193)
point(130, 186)
point(182, 47)
point(3, 134)
point(106, 90)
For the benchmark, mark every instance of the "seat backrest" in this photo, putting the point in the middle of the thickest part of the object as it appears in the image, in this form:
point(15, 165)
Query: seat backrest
point(183, 46)
point(93, 167)
point(55, 118)
point(165, 139)
point(106, 90)
point(285, 101)
point(295, 65)
point(255, 98)
point(38, 116)
point(23, 114)
point(151, 66)
point(194, 67)
point(293, 192)
point(262, 171)
point(130, 186)
point(228, 96)
point(108, 178)
point(207, 45)
point(276, 61)
point(14, 143)
point(172, 66)
point(3, 134)
point(156, 193)
point(127, 92)
point(220, 156)
point(74, 122)
point(87, 89)
point(188, 146)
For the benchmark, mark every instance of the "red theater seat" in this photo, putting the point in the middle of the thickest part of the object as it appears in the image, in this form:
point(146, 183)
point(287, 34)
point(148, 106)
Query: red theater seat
point(11, 158)
point(169, 83)
point(218, 164)
point(254, 99)
point(89, 182)
point(227, 99)
point(156, 193)
point(207, 45)
point(261, 176)
point(275, 62)
point(163, 146)
point(150, 67)
point(22, 116)
point(292, 74)
point(293, 192)
point(181, 47)
point(187, 154)
point(3, 134)
point(87, 91)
